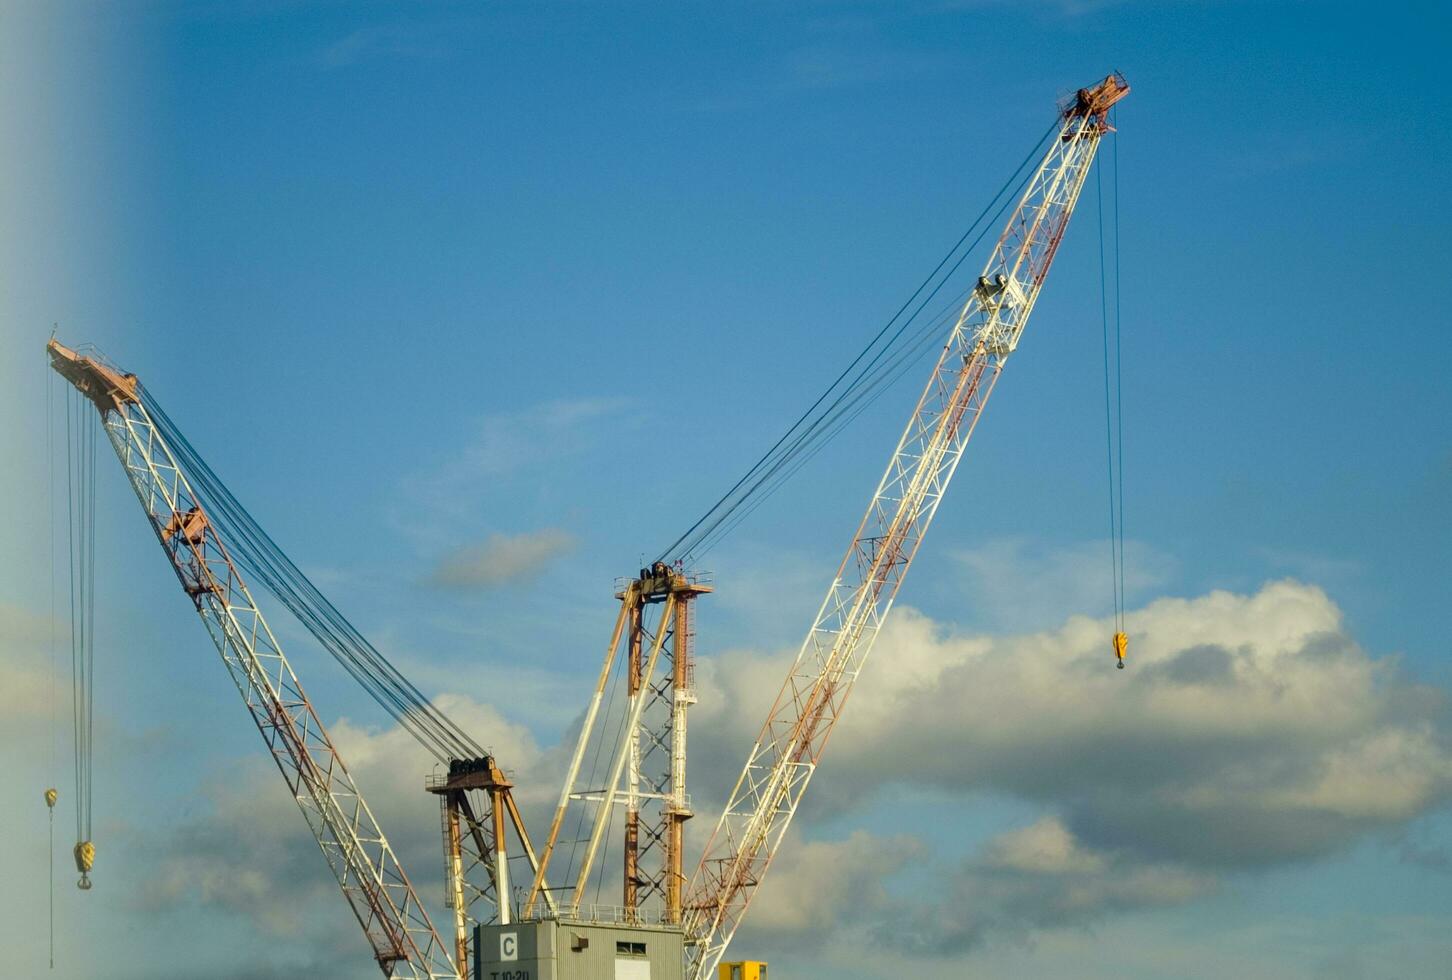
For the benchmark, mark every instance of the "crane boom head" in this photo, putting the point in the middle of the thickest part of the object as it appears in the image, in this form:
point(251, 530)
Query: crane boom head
point(1096, 100)
point(103, 384)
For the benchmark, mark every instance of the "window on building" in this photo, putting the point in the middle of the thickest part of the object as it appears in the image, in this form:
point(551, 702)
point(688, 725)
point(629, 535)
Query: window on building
point(629, 949)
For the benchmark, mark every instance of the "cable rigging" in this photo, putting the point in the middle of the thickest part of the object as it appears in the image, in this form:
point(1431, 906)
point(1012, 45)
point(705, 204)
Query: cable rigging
point(256, 552)
point(871, 372)
point(81, 521)
point(51, 794)
point(1113, 400)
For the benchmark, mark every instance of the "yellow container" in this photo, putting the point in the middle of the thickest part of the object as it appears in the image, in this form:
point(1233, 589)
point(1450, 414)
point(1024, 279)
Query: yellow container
point(744, 970)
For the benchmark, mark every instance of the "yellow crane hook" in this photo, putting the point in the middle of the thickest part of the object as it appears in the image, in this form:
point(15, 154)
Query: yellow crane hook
point(1121, 644)
point(85, 853)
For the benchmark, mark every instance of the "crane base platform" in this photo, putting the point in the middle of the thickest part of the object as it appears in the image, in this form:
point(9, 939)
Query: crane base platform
point(565, 949)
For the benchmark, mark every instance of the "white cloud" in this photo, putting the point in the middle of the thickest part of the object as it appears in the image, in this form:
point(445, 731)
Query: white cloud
point(1044, 847)
point(820, 885)
point(501, 559)
point(1248, 732)
point(246, 851)
point(1026, 881)
point(1041, 877)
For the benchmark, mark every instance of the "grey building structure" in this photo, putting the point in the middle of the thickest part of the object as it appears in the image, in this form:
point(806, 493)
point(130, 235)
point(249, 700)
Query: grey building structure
point(550, 949)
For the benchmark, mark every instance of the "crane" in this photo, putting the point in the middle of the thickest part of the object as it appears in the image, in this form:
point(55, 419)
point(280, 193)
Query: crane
point(795, 733)
point(404, 942)
point(702, 914)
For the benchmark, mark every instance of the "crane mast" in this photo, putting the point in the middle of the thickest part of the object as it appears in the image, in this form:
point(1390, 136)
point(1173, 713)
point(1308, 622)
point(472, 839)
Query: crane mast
point(987, 331)
point(404, 941)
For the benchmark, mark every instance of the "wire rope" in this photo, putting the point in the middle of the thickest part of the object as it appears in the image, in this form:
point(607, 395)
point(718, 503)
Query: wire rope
point(81, 537)
point(50, 793)
point(259, 555)
point(50, 808)
point(1118, 363)
point(814, 427)
point(1113, 402)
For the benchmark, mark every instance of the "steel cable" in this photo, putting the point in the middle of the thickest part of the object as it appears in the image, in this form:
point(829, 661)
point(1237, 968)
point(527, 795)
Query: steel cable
point(814, 427)
point(266, 563)
point(81, 536)
point(1113, 398)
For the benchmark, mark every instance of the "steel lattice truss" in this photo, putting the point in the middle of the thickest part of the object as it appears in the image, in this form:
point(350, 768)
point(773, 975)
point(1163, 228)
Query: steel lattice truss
point(470, 891)
point(650, 755)
point(476, 808)
point(987, 331)
point(646, 648)
point(404, 941)
point(657, 780)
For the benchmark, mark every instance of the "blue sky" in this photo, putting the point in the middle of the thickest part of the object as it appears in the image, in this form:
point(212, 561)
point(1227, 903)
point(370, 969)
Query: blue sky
point(423, 278)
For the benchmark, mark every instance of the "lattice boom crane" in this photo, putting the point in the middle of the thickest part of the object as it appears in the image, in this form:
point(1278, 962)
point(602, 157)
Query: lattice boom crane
point(780, 765)
point(987, 331)
point(405, 943)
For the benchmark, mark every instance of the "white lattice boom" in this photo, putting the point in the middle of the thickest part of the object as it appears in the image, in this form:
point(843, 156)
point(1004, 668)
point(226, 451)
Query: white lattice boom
point(987, 331)
point(405, 944)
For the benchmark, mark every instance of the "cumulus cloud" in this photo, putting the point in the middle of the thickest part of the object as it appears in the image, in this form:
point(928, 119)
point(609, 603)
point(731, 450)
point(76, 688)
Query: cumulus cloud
point(501, 559)
point(245, 851)
point(1248, 732)
point(1045, 847)
point(1248, 729)
point(1026, 880)
point(820, 885)
point(1041, 877)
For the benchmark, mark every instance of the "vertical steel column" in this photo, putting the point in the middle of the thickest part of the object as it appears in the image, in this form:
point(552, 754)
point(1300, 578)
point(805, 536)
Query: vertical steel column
point(456, 882)
point(631, 850)
point(497, 793)
point(611, 795)
point(677, 809)
point(567, 790)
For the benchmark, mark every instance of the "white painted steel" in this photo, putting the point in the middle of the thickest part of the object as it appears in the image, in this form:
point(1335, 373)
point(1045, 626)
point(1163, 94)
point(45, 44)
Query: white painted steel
point(622, 755)
point(567, 790)
point(405, 943)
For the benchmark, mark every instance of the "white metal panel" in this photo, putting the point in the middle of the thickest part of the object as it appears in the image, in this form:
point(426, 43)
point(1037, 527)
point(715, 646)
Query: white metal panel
point(631, 969)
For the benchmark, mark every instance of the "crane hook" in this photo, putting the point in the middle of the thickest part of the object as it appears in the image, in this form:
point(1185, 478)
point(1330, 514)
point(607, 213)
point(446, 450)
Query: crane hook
point(1121, 645)
point(85, 854)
